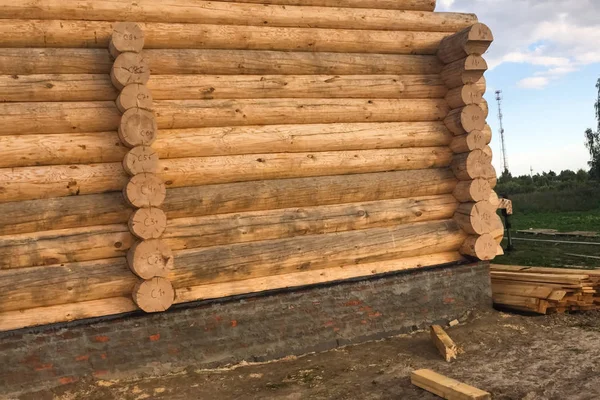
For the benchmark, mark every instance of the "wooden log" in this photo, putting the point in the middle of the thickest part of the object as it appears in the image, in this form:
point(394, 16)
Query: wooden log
point(487, 134)
point(97, 34)
point(494, 199)
point(148, 223)
point(27, 183)
point(465, 120)
point(154, 295)
point(145, 190)
point(481, 85)
point(88, 148)
point(474, 190)
point(464, 95)
point(445, 345)
point(110, 208)
point(482, 247)
point(134, 96)
point(60, 88)
point(109, 306)
point(126, 37)
point(469, 166)
point(490, 175)
point(93, 243)
point(466, 71)
point(475, 218)
point(183, 11)
point(445, 387)
point(413, 5)
point(129, 68)
point(138, 127)
point(475, 40)
point(150, 258)
point(141, 159)
point(484, 107)
point(474, 140)
point(217, 62)
point(497, 229)
point(487, 152)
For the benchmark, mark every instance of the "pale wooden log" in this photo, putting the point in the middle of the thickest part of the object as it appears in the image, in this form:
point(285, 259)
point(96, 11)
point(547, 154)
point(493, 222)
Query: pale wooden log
point(129, 68)
point(487, 151)
point(474, 190)
point(494, 199)
point(92, 243)
point(154, 295)
point(445, 387)
point(484, 107)
point(483, 247)
point(110, 208)
point(134, 96)
point(414, 5)
point(445, 345)
point(469, 166)
point(474, 140)
point(490, 174)
point(481, 85)
point(25, 118)
point(475, 39)
point(78, 34)
point(475, 218)
point(217, 62)
point(150, 258)
point(465, 120)
point(487, 134)
point(145, 190)
point(126, 36)
point(141, 159)
point(94, 280)
point(87, 148)
point(464, 95)
point(24, 88)
point(27, 183)
point(138, 127)
point(116, 305)
point(466, 71)
point(147, 223)
point(497, 229)
point(238, 14)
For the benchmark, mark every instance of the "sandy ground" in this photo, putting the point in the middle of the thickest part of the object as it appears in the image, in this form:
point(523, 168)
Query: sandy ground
point(511, 356)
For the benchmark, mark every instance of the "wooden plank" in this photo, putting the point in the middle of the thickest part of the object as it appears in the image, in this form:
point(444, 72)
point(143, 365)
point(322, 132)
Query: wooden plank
point(518, 302)
point(445, 387)
point(206, 12)
point(217, 62)
point(444, 343)
point(545, 270)
point(414, 5)
point(524, 289)
point(109, 208)
point(106, 241)
point(102, 147)
point(533, 277)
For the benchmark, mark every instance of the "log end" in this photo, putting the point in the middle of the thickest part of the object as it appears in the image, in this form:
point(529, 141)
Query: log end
point(148, 223)
point(154, 295)
point(134, 95)
point(150, 258)
point(129, 68)
point(141, 159)
point(482, 247)
point(126, 37)
point(138, 128)
point(145, 190)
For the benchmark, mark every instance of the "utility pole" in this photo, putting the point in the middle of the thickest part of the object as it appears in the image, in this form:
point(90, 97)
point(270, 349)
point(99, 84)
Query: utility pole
point(504, 156)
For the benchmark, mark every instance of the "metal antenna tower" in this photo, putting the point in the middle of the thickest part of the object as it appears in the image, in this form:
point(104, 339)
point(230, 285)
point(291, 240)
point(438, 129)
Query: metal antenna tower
point(504, 157)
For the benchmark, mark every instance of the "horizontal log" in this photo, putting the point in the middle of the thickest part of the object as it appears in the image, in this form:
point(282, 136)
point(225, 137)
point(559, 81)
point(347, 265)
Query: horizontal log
point(24, 288)
point(117, 305)
point(207, 12)
point(473, 165)
point(482, 247)
point(31, 118)
point(97, 34)
point(475, 140)
point(475, 39)
point(466, 71)
point(476, 218)
point(28, 183)
point(414, 5)
point(217, 62)
point(464, 95)
point(102, 147)
point(108, 241)
point(72, 87)
point(110, 208)
point(475, 190)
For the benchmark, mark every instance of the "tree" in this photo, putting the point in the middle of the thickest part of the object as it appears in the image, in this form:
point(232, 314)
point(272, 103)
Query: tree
point(592, 141)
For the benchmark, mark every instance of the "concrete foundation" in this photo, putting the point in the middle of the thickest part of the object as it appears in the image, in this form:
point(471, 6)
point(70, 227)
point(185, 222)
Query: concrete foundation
point(251, 328)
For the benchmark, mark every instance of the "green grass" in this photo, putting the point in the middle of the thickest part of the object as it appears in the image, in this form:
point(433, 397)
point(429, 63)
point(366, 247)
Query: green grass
point(562, 221)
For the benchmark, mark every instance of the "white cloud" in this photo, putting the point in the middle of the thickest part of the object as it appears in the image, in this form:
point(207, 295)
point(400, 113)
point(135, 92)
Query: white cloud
point(534, 82)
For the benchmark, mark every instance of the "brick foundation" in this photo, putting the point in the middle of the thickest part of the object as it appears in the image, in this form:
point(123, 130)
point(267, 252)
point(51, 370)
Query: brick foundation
point(252, 328)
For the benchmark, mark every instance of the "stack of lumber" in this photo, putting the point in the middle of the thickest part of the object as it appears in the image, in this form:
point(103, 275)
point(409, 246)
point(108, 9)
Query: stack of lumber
point(545, 290)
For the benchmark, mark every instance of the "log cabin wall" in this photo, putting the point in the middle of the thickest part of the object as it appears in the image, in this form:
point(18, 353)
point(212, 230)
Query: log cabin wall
point(299, 141)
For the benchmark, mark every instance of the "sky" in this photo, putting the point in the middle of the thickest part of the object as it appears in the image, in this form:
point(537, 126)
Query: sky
point(546, 60)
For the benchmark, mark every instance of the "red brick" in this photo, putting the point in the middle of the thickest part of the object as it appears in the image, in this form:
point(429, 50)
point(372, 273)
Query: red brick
point(67, 379)
point(101, 339)
point(82, 358)
point(155, 338)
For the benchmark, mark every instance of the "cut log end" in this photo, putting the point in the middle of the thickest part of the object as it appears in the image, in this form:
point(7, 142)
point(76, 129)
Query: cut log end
point(150, 258)
point(145, 190)
point(482, 247)
point(475, 140)
point(129, 68)
point(154, 295)
point(472, 191)
point(134, 96)
point(465, 120)
point(148, 223)
point(464, 95)
point(141, 159)
point(474, 40)
point(476, 218)
point(126, 37)
point(138, 128)
point(473, 165)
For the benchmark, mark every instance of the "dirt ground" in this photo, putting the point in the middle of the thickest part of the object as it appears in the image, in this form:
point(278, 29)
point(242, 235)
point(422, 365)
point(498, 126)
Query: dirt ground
point(511, 356)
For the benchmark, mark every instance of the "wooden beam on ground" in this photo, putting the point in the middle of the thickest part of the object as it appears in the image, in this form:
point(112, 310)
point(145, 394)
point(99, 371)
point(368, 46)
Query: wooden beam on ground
point(444, 343)
point(445, 387)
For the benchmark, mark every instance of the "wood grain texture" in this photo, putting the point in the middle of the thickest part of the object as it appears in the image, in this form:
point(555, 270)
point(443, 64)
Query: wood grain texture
point(237, 14)
point(415, 5)
point(110, 208)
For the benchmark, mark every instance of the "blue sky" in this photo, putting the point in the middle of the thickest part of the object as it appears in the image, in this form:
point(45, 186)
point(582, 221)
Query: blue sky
point(546, 60)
